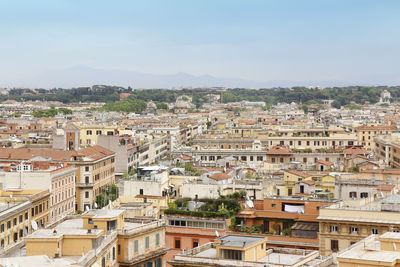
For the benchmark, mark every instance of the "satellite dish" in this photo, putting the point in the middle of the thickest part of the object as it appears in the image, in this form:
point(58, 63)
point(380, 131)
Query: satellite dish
point(87, 208)
point(216, 233)
point(250, 203)
point(34, 225)
point(95, 205)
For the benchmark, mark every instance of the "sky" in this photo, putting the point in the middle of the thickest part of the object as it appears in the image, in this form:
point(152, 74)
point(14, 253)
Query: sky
point(309, 40)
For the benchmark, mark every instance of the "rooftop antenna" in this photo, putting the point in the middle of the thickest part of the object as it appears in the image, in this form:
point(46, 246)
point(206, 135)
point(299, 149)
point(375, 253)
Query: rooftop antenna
point(216, 233)
point(87, 208)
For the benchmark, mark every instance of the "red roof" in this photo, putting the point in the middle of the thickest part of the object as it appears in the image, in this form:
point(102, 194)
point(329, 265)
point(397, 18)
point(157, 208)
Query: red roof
point(308, 182)
point(355, 151)
point(324, 162)
point(298, 173)
point(385, 187)
point(279, 150)
point(220, 176)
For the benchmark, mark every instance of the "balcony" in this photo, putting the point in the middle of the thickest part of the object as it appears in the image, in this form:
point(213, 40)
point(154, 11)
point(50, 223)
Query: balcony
point(85, 185)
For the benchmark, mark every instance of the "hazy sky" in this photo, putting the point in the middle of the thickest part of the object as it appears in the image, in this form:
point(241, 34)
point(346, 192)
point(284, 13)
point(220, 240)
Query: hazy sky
point(338, 40)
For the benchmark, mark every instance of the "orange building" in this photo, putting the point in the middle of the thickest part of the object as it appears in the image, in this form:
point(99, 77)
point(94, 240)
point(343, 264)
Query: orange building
point(187, 232)
point(294, 218)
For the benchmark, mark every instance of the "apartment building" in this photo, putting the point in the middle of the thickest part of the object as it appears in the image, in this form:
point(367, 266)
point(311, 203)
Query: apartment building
point(293, 219)
point(367, 133)
point(41, 208)
point(89, 133)
point(149, 181)
point(142, 245)
point(387, 149)
point(242, 250)
point(345, 223)
point(184, 232)
point(374, 250)
point(95, 169)
point(17, 213)
point(39, 173)
point(255, 152)
point(152, 150)
point(306, 183)
point(101, 238)
point(125, 149)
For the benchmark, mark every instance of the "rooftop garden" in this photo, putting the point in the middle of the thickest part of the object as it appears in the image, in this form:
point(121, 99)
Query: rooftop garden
point(224, 206)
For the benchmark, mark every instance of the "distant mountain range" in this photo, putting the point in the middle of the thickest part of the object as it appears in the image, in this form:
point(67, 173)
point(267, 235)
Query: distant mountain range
point(86, 76)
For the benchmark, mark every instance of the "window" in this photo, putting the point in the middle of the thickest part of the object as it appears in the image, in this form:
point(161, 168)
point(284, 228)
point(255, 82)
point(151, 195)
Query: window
point(119, 249)
point(374, 231)
point(353, 194)
point(26, 215)
point(353, 230)
point(2, 227)
point(158, 262)
point(8, 224)
point(15, 221)
point(86, 168)
point(177, 243)
point(334, 245)
point(334, 228)
point(147, 242)
point(113, 253)
point(90, 221)
point(364, 195)
point(89, 132)
point(157, 239)
point(136, 246)
point(195, 243)
point(87, 194)
point(232, 254)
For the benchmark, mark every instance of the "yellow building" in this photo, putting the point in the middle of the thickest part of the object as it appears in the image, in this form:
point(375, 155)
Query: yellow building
point(367, 133)
point(345, 223)
point(89, 133)
point(383, 250)
point(102, 238)
point(96, 169)
point(142, 245)
point(323, 183)
point(387, 149)
point(229, 250)
point(290, 179)
point(15, 221)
